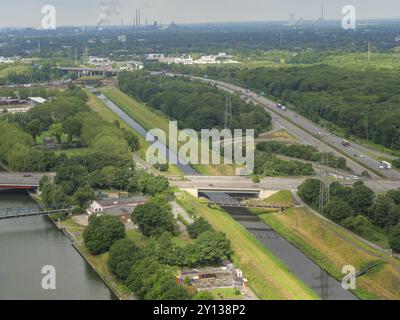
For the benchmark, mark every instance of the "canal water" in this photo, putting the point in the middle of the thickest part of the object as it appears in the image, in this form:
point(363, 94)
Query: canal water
point(327, 287)
point(28, 244)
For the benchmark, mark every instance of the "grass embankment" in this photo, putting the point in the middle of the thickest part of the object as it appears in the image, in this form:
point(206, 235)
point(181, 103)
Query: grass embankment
point(279, 135)
point(150, 119)
point(332, 248)
point(106, 114)
point(268, 276)
point(283, 198)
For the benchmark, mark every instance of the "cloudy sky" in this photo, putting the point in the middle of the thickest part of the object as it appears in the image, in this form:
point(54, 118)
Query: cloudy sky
point(87, 12)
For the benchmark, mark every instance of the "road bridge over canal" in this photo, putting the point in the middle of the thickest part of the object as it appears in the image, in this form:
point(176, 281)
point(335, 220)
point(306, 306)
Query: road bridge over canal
point(22, 180)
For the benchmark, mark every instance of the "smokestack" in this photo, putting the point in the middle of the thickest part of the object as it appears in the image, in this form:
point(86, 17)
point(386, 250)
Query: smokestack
point(135, 18)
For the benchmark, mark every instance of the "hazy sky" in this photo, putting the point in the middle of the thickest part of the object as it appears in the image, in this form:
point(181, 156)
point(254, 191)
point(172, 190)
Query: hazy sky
point(87, 12)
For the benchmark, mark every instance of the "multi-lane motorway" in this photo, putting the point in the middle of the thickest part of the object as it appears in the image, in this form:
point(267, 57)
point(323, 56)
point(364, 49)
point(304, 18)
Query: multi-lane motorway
point(269, 183)
point(307, 131)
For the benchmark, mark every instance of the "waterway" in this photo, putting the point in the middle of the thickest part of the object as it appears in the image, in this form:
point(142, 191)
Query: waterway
point(327, 287)
point(28, 244)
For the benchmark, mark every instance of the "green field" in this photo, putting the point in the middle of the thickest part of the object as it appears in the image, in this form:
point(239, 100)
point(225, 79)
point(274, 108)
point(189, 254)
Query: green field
point(268, 276)
point(226, 294)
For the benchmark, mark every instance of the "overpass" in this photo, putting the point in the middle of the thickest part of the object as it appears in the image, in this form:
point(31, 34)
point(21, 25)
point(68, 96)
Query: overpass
point(197, 185)
point(22, 180)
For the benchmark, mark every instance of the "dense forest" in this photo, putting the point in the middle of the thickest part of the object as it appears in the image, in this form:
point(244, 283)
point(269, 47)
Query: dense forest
point(194, 104)
point(363, 102)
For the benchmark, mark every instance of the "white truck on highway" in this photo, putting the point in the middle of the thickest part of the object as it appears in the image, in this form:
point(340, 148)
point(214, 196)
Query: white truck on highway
point(385, 165)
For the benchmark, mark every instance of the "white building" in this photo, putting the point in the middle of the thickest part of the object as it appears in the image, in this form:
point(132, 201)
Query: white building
point(155, 56)
point(117, 206)
point(36, 100)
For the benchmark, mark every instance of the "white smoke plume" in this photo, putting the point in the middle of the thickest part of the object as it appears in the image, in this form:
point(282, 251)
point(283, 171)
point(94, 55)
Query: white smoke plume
point(108, 9)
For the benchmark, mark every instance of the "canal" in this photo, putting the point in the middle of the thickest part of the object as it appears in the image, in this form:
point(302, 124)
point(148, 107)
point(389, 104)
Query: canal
point(327, 287)
point(28, 244)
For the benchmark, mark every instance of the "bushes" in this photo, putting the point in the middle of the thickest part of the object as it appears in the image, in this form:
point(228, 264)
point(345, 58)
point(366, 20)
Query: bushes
point(151, 184)
point(151, 280)
point(197, 227)
point(102, 232)
point(269, 165)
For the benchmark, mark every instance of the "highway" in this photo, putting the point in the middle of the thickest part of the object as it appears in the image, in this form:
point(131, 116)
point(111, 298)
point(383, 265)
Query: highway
point(310, 133)
point(273, 184)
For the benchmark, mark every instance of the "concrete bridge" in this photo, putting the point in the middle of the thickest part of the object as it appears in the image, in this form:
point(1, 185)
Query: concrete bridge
point(196, 185)
point(22, 180)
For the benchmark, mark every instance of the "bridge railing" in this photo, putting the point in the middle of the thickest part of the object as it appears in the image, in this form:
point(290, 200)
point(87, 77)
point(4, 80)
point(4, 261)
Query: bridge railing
point(16, 212)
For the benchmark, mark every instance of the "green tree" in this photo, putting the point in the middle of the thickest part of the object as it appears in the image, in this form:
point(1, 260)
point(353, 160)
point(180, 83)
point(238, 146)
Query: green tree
point(83, 196)
point(152, 185)
point(198, 227)
point(384, 213)
point(361, 198)
point(165, 288)
point(153, 218)
point(34, 128)
point(102, 232)
point(309, 191)
point(123, 255)
point(212, 247)
point(337, 210)
point(394, 195)
point(56, 130)
point(143, 276)
point(72, 126)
